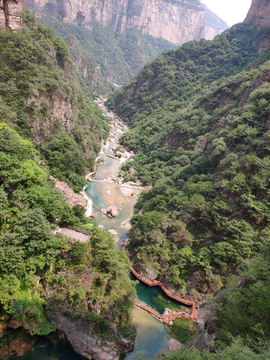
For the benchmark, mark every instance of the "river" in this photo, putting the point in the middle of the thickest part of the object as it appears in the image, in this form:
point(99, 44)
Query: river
point(153, 337)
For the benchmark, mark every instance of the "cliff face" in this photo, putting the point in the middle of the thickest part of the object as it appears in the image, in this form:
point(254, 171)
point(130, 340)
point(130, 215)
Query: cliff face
point(85, 343)
point(88, 71)
point(11, 13)
point(260, 12)
point(173, 21)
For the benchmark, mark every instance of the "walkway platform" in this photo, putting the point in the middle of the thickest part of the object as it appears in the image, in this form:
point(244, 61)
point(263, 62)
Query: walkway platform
point(193, 315)
point(74, 235)
point(165, 318)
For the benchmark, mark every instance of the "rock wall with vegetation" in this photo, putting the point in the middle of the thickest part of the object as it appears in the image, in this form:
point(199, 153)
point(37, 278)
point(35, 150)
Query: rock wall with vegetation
point(123, 36)
point(199, 120)
point(11, 14)
point(119, 56)
point(88, 71)
point(176, 21)
point(49, 126)
point(41, 97)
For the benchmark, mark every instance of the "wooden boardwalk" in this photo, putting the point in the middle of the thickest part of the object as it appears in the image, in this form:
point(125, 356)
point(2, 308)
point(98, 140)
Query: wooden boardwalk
point(165, 318)
point(172, 316)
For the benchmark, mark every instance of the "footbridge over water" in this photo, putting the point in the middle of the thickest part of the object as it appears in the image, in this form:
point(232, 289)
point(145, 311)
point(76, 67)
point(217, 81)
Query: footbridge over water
point(172, 316)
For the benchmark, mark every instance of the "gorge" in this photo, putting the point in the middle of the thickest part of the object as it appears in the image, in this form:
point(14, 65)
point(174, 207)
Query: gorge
point(175, 21)
point(124, 35)
point(192, 136)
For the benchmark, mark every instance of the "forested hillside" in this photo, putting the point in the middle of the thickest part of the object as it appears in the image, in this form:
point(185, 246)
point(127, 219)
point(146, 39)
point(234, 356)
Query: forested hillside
point(199, 120)
point(42, 276)
point(87, 70)
point(120, 56)
point(199, 126)
point(50, 127)
point(42, 98)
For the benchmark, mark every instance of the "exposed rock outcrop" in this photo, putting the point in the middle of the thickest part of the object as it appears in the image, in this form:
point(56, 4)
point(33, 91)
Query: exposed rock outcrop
point(174, 21)
point(84, 342)
point(260, 13)
point(72, 198)
point(174, 345)
point(205, 337)
point(15, 347)
point(11, 14)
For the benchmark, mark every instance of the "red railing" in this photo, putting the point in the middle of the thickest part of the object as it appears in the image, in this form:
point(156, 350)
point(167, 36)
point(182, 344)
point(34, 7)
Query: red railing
point(193, 315)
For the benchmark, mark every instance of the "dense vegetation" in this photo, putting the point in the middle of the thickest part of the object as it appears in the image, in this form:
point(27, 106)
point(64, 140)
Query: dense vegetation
point(199, 128)
point(33, 261)
point(49, 127)
point(241, 316)
point(87, 70)
point(41, 97)
point(120, 56)
point(199, 121)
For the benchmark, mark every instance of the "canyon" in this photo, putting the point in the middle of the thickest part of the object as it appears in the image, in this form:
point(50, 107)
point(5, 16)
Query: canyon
point(176, 22)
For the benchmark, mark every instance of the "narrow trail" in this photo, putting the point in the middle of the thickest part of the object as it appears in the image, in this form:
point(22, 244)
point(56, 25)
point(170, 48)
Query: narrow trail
point(172, 316)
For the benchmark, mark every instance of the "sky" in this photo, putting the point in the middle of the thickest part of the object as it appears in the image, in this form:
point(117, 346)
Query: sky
point(231, 11)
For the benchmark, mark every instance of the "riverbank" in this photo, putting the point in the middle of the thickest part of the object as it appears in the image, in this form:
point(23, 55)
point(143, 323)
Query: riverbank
point(113, 190)
point(107, 188)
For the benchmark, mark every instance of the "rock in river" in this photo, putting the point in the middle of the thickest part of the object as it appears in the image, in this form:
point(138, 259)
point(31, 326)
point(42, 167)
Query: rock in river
point(112, 232)
point(111, 210)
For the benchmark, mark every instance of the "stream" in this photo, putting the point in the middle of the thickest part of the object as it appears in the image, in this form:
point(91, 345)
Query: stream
point(153, 337)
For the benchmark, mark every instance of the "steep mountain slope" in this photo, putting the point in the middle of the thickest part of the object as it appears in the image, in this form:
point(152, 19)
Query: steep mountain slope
point(88, 72)
point(119, 56)
point(123, 36)
point(42, 98)
point(176, 21)
point(199, 121)
point(259, 13)
point(46, 281)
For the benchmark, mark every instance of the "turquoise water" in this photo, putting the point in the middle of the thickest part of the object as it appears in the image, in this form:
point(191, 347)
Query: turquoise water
point(44, 350)
point(183, 329)
point(156, 298)
point(104, 194)
point(152, 337)
point(110, 168)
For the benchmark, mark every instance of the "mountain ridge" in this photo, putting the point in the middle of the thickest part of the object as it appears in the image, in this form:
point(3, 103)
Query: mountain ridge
point(174, 20)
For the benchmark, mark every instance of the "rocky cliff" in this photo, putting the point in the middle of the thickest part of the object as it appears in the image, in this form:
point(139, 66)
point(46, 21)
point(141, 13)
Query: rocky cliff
point(175, 21)
point(84, 342)
point(260, 13)
point(88, 71)
point(11, 13)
